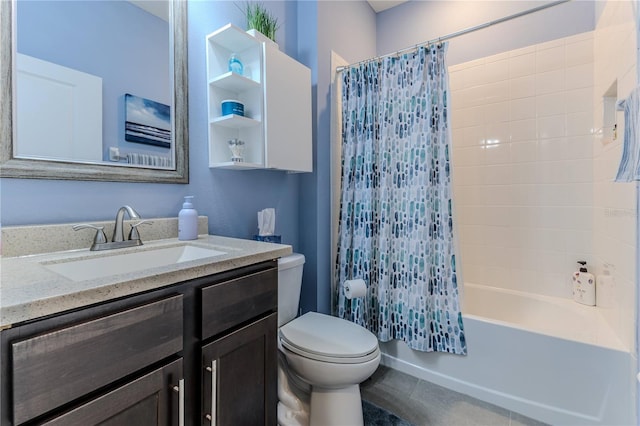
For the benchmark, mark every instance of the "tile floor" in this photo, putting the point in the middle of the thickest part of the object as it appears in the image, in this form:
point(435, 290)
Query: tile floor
point(425, 404)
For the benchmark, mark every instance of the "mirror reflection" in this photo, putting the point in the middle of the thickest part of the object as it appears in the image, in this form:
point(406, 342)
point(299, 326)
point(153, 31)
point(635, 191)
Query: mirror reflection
point(94, 83)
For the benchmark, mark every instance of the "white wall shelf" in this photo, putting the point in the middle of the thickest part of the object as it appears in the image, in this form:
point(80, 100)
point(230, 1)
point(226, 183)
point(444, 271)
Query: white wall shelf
point(234, 121)
point(232, 165)
point(234, 82)
point(276, 93)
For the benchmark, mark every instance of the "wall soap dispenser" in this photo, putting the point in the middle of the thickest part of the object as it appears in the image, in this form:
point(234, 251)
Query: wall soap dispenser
point(584, 286)
point(188, 220)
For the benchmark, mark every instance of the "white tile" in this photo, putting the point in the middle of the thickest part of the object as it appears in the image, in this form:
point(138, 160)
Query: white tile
point(496, 71)
point(579, 194)
point(579, 171)
point(551, 172)
point(496, 112)
point(551, 127)
point(549, 239)
point(473, 116)
point(550, 82)
point(550, 104)
point(579, 76)
point(468, 97)
point(554, 194)
point(580, 147)
point(496, 92)
point(465, 176)
point(459, 157)
point(496, 133)
point(473, 76)
point(522, 130)
point(456, 81)
point(552, 149)
point(473, 136)
point(498, 154)
point(524, 151)
point(626, 83)
point(457, 119)
point(579, 124)
point(550, 59)
point(552, 259)
point(578, 241)
point(577, 218)
point(522, 65)
point(579, 100)
point(457, 137)
point(497, 174)
point(470, 195)
point(468, 156)
point(499, 195)
point(522, 87)
point(525, 173)
point(578, 53)
point(522, 108)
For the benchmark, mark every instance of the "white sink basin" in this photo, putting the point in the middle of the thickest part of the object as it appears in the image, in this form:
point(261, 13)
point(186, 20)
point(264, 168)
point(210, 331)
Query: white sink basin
point(112, 264)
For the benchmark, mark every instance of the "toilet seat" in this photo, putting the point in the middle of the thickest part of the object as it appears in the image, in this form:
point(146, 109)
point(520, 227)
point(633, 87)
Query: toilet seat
point(329, 339)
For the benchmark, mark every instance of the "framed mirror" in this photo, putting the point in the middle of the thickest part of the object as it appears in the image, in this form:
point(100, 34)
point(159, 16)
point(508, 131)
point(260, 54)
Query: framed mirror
point(125, 165)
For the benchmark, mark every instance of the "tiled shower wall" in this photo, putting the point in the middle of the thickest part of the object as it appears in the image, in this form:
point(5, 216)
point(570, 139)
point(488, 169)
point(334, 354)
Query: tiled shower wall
point(534, 164)
point(615, 212)
point(523, 165)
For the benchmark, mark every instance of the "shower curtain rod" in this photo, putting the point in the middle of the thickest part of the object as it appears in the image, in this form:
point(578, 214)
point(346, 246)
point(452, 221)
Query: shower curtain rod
point(457, 33)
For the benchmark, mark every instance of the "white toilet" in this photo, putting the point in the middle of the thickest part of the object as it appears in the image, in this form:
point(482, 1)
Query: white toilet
point(329, 355)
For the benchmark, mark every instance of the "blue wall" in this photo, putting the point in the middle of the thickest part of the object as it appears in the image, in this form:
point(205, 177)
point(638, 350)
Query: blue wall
point(349, 29)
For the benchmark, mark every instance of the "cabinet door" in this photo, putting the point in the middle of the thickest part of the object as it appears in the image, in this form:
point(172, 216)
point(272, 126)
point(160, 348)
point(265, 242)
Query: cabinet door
point(155, 399)
point(287, 112)
point(240, 376)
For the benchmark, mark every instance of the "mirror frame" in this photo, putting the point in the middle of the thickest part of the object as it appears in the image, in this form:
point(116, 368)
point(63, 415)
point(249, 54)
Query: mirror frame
point(42, 169)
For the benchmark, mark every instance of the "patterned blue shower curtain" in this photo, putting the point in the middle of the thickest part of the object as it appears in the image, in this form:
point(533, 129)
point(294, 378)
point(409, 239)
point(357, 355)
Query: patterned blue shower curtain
point(396, 224)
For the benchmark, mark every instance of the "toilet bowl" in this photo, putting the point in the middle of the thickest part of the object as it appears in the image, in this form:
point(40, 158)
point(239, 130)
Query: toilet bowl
point(330, 355)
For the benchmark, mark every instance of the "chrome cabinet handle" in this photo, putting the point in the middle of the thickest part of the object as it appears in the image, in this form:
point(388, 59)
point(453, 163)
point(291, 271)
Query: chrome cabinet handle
point(213, 369)
point(180, 390)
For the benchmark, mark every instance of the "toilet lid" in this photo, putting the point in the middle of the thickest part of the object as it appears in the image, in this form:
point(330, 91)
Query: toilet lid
point(327, 337)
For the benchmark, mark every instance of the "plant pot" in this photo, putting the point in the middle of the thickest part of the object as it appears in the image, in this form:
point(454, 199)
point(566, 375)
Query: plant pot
point(261, 37)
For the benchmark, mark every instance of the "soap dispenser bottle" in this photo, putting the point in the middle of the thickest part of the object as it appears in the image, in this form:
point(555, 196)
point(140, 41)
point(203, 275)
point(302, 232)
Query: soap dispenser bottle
point(188, 220)
point(584, 286)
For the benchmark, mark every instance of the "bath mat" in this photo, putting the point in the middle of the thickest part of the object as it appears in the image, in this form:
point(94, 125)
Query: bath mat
point(376, 416)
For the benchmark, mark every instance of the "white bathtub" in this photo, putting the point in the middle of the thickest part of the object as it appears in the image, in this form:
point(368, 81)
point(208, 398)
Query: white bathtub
point(546, 358)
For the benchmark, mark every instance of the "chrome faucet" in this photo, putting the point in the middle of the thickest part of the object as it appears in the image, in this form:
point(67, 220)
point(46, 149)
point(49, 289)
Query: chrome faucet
point(117, 241)
point(118, 231)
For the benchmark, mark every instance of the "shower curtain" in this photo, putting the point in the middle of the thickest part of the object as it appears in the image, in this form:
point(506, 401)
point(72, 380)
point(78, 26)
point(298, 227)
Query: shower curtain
point(396, 218)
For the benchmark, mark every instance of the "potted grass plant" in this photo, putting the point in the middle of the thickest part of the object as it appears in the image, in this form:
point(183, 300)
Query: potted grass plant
point(260, 20)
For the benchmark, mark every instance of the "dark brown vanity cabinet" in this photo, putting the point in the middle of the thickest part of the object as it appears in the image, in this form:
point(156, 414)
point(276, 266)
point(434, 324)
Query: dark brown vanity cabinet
point(138, 360)
point(101, 365)
point(239, 373)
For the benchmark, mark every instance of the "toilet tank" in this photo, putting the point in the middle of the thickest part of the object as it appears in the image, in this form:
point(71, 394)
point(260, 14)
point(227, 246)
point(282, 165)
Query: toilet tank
point(289, 286)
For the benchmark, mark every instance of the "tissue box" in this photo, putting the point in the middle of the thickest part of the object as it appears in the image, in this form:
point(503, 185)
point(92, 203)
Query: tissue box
point(268, 238)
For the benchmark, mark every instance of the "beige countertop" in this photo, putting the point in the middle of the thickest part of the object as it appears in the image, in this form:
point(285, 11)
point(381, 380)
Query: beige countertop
point(29, 290)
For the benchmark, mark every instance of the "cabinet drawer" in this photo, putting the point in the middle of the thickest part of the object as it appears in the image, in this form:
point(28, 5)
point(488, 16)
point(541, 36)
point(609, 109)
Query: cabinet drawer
point(229, 303)
point(54, 368)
